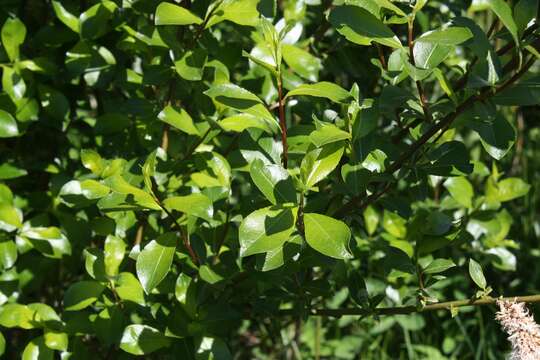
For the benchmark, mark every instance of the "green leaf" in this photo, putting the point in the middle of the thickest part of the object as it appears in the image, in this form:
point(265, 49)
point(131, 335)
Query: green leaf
point(355, 177)
point(273, 181)
point(56, 340)
point(361, 27)
point(497, 134)
point(2, 344)
point(94, 263)
point(322, 89)
point(320, 162)
point(394, 224)
point(504, 13)
point(240, 99)
point(10, 218)
point(129, 288)
point(207, 274)
point(92, 161)
point(476, 273)
point(449, 36)
point(90, 189)
point(140, 197)
point(179, 119)
point(93, 23)
point(171, 14)
point(428, 55)
point(114, 251)
point(438, 266)
point(142, 340)
point(327, 235)
point(191, 65)
point(461, 190)
point(13, 34)
point(371, 220)
point(450, 158)
point(8, 125)
point(524, 12)
point(240, 122)
point(195, 204)
point(266, 229)
point(241, 12)
point(16, 315)
point(70, 20)
point(8, 171)
point(181, 287)
point(82, 294)
point(8, 253)
point(36, 349)
point(148, 170)
point(274, 259)
point(328, 133)
point(154, 261)
point(301, 62)
point(507, 189)
point(50, 241)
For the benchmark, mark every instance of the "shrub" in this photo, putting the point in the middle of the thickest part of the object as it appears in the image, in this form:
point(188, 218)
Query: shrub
point(227, 179)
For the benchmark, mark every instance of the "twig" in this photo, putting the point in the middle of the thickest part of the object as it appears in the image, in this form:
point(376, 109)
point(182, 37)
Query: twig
point(441, 125)
point(404, 310)
point(183, 234)
point(381, 56)
point(282, 123)
point(196, 145)
point(421, 94)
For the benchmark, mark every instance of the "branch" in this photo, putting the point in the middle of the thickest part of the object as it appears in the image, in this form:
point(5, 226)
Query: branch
point(404, 310)
point(183, 234)
point(442, 125)
point(282, 123)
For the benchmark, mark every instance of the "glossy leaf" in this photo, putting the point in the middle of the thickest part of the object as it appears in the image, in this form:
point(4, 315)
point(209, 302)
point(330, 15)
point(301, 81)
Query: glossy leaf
point(301, 62)
point(438, 266)
point(194, 204)
point(327, 235)
point(461, 190)
point(266, 229)
point(82, 294)
point(449, 36)
point(16, 315)
point(327, 134)
point(13, 34)
point(154, 261)
point(320, 162)
point(171, 14)
point(504, 13)
point(476, 273)
point(273, 181)
point(361, 27)
point(191, 65)
point(179, 119)
point(37, 349)
point(8, 125)
point(240, 99)
point(322, 89)
point(114, 251)
point(70, 20)
point(240, 122)
point(142, 340)
point(242, 12)
point(128, 288)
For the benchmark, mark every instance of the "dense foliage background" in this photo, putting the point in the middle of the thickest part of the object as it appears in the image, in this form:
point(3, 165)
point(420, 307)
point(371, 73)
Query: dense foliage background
point(203, 179)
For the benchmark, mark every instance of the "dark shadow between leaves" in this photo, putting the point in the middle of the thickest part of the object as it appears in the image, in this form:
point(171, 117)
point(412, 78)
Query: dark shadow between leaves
point(282, 221)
